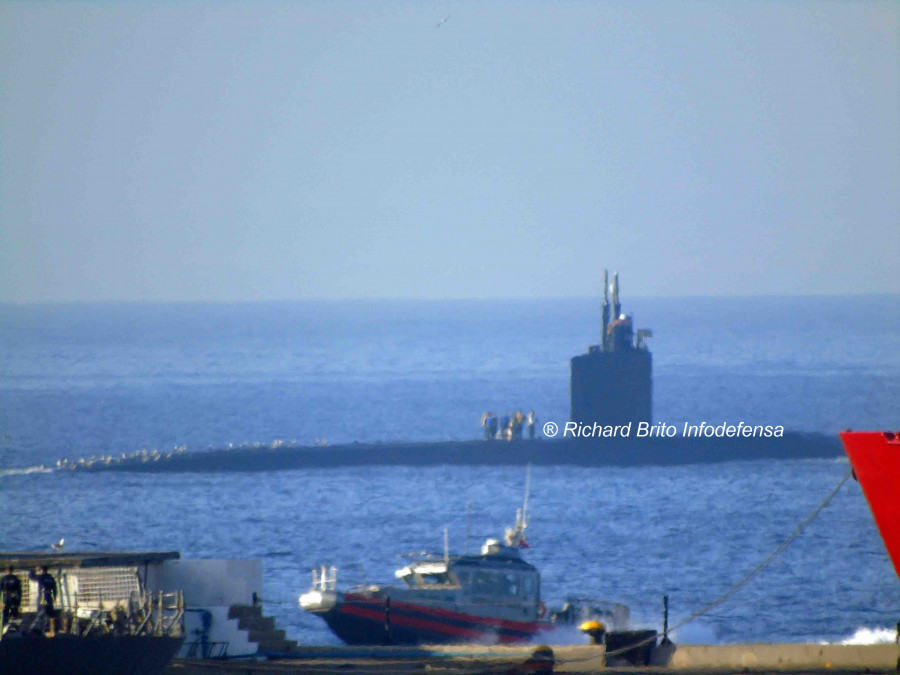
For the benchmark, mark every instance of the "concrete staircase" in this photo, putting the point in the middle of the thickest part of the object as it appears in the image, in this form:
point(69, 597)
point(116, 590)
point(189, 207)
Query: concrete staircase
point(261, 629)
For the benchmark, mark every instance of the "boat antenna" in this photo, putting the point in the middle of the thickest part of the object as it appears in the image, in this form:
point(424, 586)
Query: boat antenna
point(446, 546)
point(515, 536)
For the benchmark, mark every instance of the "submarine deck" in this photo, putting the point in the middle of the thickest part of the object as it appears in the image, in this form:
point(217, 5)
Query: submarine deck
point(571, 451)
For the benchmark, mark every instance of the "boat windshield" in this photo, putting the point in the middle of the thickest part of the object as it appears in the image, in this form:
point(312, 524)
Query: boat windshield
point(418, 579)
point(494, 583)
point(436, 579)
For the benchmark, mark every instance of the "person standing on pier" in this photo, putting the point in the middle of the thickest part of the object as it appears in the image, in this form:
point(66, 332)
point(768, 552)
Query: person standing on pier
point(11, 588)
point(46, 597)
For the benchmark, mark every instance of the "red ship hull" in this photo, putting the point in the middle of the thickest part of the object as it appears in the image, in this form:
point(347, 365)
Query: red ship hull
point(875, 457)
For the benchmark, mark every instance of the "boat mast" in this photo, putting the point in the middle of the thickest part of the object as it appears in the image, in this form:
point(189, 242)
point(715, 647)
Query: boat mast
point(515, 536)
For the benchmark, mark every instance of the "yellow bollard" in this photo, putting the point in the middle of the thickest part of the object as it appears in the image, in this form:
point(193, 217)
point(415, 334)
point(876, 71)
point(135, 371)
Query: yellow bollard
point(596, 630)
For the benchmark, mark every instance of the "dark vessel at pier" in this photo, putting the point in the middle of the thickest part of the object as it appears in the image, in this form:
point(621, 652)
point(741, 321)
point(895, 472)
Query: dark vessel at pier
point(106, 620)
point(612, 383)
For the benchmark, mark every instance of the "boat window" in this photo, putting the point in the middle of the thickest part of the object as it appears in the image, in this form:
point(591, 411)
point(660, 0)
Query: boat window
point(511, 584)
point(483, 583)
point(435, 579)
point(528, 585)
point(496, 584)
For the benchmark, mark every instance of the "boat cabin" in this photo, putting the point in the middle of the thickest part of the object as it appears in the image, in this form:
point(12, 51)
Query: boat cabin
point(497, 577)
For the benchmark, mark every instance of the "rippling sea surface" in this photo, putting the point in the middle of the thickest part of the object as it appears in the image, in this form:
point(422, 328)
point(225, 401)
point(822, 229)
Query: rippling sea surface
point(81, 380)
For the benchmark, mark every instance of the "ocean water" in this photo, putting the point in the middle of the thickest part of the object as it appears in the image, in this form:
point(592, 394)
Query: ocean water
point(80, 380)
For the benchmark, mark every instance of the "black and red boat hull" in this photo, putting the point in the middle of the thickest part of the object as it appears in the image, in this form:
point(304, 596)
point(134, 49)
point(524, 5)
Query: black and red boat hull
point(362, 620)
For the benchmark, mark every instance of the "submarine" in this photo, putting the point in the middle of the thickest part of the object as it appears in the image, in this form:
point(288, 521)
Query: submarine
point(611, 389)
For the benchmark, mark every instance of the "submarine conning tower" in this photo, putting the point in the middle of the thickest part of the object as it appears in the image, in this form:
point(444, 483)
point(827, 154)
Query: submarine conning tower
point(612, 383)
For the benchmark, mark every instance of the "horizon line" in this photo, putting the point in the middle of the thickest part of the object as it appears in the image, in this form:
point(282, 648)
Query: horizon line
point(260, 301)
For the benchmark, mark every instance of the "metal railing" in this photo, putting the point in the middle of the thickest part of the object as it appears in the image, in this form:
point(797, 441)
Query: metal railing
point(324, 578)
point(158, 614)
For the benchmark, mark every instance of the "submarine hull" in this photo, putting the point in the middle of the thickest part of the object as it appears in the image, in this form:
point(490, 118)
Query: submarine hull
point(565, 451)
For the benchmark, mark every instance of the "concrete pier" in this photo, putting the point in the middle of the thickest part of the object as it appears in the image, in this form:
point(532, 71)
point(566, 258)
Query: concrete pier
point(787, 658)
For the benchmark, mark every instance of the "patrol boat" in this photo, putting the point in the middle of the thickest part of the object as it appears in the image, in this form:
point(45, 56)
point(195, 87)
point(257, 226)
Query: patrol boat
point(491, 597)
point(494, 596)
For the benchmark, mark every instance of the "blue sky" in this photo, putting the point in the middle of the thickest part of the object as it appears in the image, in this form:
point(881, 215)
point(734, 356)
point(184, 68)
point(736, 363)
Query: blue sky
point(267, 151)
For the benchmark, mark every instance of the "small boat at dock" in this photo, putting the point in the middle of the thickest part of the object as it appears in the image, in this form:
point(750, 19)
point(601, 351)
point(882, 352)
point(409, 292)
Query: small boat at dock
point(491, 597)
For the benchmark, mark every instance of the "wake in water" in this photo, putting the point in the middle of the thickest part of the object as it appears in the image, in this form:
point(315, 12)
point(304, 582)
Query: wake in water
point(26, 470)
point(698, 633)
point(871, 636)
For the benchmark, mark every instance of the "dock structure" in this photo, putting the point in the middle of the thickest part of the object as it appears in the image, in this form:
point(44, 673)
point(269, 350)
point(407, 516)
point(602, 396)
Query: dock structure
point(89, 612)
point(719, 659)
point(612, 384)
point(209, 607)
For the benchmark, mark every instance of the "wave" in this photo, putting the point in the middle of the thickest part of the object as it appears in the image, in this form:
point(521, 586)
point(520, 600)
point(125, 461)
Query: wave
point(40, 468)
point(871, 636)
